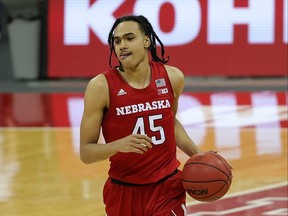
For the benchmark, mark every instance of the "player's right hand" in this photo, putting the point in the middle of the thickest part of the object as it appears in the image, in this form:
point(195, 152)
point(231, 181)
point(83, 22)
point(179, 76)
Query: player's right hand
point(136, 143)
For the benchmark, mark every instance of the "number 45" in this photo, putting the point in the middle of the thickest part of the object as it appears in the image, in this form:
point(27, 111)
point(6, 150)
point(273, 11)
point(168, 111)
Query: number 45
point(140, 128)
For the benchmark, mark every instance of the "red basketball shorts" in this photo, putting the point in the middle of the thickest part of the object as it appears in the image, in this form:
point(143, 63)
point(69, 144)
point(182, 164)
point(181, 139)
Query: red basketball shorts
point(160, 199)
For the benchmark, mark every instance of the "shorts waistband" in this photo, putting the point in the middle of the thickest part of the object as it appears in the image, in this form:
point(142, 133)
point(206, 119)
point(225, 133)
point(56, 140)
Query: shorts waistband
point(116, 181)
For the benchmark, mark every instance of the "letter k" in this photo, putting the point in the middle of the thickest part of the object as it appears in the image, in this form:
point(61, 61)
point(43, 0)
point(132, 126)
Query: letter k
point(80, 17)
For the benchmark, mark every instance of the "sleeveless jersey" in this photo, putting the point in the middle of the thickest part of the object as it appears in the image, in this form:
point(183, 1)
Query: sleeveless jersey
point(143, 111)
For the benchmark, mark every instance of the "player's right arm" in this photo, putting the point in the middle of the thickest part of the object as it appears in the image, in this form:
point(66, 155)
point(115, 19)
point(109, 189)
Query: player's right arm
point(96, 100)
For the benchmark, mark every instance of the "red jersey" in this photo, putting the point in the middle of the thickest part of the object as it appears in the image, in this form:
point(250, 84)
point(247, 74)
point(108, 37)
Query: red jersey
point(143, 111)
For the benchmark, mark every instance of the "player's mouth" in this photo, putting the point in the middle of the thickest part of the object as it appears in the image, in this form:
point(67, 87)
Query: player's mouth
point(124, 55)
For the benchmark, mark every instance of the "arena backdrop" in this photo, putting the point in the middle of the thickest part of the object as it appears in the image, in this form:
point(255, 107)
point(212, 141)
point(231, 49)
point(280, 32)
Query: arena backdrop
point(202, 37)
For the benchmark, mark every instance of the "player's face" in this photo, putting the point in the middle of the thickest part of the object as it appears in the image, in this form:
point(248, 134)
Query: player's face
point(130, 44)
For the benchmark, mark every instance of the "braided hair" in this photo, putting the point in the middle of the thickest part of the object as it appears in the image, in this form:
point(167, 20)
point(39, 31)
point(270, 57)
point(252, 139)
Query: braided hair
point(147, 29)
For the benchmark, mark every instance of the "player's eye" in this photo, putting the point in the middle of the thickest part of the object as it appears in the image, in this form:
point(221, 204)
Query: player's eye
point(116, 41)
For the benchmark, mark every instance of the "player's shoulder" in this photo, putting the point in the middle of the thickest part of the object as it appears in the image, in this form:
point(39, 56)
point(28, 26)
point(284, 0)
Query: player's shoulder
point(174, 72)
point(98, 81)
point(97, 85)
point(176, 78)
point(97, 92)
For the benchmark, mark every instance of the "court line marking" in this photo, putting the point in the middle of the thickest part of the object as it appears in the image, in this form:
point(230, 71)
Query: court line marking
point(249, 191)
point(251, 204)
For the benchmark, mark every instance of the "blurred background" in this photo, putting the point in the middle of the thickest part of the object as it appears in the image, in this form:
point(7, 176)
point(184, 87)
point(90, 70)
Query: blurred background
point(234, 57)
point(20, 39)
point(212, 42)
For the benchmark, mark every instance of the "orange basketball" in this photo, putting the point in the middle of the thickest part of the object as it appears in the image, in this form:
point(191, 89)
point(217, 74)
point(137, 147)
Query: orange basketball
point(206, 177)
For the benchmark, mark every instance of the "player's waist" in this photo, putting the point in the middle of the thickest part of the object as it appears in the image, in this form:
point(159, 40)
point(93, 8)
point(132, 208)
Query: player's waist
point(119, 182)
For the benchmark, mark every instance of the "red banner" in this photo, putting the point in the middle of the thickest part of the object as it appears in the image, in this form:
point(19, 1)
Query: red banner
point(202, 37)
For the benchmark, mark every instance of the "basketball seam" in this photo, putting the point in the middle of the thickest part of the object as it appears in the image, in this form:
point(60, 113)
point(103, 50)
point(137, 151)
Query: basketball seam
point(209, 166)
point(220, 158)
point(222, 187)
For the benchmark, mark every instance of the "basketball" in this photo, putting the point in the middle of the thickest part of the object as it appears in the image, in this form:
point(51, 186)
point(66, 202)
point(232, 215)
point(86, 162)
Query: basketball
point(207, 177)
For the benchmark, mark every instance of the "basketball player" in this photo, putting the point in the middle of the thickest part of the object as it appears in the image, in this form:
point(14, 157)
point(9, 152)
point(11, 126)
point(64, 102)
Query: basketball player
point(135, 103)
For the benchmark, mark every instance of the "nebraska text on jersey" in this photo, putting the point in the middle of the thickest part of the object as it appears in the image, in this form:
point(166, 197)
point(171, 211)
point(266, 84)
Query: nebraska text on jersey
point(142, 107)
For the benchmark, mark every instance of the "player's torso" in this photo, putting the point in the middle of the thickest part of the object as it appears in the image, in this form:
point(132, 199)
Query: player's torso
point(143, 111)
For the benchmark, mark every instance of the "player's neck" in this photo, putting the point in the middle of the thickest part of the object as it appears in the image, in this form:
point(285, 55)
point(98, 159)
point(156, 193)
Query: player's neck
point(138, 77)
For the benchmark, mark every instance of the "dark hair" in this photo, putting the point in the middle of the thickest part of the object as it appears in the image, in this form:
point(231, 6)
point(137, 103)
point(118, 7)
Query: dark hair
point(146, 27)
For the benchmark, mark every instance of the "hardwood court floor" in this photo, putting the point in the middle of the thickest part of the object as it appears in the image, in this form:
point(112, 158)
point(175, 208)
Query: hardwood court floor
point(40, 170)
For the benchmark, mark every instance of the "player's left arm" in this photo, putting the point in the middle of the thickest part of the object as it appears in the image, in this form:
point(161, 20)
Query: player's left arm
point(183, 141)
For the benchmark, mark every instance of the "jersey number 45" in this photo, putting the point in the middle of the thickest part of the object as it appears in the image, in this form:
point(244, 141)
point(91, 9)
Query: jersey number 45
point(140, 128)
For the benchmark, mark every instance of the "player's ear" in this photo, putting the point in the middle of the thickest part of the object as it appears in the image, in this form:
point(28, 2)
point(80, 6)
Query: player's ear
point(147, 41)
